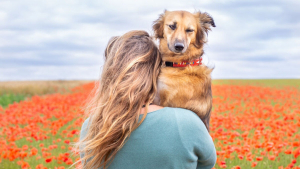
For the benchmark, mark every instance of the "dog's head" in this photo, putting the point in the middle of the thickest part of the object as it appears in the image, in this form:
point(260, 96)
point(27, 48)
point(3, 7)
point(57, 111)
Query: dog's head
point(180, 29)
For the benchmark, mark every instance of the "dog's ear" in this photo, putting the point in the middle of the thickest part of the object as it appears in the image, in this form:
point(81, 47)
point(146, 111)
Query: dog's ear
point(206, 21)
point(204, 25)
point(158, 26)
point(109, 46)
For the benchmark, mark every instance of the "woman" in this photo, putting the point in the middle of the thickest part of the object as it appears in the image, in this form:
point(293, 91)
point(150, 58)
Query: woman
point(118, 134)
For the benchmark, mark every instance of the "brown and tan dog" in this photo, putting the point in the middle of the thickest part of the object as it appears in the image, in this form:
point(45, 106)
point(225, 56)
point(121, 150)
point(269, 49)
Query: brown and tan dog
point(184, 82)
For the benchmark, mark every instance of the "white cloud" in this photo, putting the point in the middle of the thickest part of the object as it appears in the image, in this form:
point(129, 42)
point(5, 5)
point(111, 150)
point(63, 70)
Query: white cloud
point(65, 39)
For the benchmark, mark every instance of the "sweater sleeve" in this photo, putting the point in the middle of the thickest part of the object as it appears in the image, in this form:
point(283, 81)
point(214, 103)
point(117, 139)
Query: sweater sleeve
point(196, 138)
point(205, 149)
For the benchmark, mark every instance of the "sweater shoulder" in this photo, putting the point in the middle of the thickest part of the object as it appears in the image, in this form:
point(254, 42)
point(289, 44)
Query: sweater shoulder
point(187, 119)
point(84, 128)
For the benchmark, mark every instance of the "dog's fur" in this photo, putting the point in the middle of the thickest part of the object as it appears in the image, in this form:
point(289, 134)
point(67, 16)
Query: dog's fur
point(188, 87)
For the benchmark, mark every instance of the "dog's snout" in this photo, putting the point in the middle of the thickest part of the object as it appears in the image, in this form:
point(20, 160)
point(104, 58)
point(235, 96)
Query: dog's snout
point(179, 46)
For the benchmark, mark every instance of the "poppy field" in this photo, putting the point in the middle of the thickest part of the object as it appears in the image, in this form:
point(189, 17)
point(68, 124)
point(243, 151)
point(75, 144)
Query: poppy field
point(252, 125)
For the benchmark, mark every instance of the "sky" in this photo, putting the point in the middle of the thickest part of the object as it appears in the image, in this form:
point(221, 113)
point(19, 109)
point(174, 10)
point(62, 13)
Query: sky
point(65, 40)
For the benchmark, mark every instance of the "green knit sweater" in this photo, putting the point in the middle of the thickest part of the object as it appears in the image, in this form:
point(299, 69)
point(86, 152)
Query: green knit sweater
point(169, 138)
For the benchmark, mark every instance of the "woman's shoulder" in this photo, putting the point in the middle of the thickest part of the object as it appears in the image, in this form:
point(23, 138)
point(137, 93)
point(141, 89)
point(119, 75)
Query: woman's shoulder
point(186, 118)
point(85, 123)
point(194, 136)
point(84, 128)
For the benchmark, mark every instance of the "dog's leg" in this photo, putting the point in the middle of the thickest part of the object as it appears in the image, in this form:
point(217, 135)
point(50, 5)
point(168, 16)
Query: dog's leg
point(156, 100)
point(164, 97)
point(202, 106)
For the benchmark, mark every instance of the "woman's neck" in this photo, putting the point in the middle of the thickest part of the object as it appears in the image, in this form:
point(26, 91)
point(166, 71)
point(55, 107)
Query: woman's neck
point(151, 108)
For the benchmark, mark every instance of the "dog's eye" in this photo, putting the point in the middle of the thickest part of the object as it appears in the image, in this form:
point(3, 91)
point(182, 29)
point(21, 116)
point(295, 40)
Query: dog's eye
point(189, 30)
point(173, 27)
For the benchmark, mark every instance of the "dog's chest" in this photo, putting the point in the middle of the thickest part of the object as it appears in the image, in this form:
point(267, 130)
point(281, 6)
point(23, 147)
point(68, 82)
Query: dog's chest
point(179, 80)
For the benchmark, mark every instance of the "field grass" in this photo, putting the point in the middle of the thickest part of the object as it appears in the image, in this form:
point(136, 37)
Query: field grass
point(15, 91)
point(31, 88)
point(277, 83)
point(7, 99)
point(254, 124)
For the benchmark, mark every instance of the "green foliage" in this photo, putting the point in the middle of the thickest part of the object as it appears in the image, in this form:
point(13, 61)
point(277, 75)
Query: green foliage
point(7, 99)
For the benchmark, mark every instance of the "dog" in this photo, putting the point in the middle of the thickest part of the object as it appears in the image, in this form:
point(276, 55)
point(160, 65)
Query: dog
point(184, 81)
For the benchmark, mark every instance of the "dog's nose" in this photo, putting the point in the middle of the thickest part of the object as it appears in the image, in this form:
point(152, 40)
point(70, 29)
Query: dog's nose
point(179, 46)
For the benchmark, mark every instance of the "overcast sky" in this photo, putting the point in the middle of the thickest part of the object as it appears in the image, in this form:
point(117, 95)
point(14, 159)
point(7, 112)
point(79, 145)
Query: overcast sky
point(47, 40)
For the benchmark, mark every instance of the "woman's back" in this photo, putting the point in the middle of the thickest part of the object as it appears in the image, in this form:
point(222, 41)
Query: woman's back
point(167, 138)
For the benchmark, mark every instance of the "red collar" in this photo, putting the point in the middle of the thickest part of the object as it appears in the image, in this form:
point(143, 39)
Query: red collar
point(195, 62)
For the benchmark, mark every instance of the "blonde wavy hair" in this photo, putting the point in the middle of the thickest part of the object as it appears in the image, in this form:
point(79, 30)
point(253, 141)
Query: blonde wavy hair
point(128, 82)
